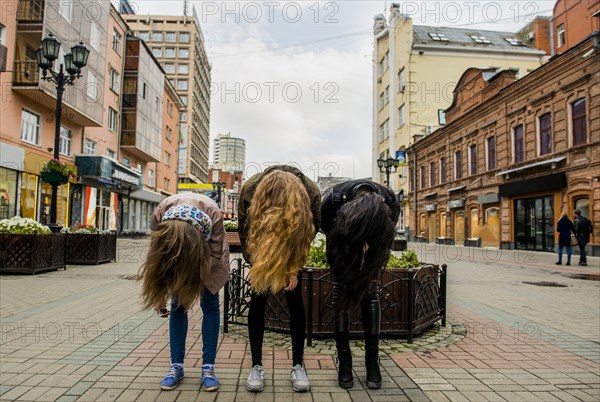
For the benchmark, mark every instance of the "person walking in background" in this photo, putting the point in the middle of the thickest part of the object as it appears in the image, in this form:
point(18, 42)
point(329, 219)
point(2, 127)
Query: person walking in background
point(278, 217)
point(564, 227)
point(359, 219)
point(583, 229)
point(188, 259)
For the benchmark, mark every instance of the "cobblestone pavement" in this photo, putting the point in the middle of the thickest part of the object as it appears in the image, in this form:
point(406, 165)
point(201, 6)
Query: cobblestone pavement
point(519, 328)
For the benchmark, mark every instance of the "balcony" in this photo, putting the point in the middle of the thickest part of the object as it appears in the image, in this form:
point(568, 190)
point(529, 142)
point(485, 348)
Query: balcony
point(30, 11)
point(26, 73)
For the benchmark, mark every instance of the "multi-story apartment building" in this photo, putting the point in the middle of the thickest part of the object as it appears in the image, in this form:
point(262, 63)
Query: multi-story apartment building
point(572, 21)
point(537, 34)
point(415, 71)
point(229, 153)
point(177, 42)
point(29, 103)
point(166, 172)
point(512, 156)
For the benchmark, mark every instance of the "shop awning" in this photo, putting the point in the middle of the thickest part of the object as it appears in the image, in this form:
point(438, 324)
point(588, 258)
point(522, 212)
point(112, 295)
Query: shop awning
point(108, 171)
point(532, 165)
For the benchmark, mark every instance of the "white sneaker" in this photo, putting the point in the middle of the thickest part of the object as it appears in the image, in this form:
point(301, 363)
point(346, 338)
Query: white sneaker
point(299, 378)
point(255, 382)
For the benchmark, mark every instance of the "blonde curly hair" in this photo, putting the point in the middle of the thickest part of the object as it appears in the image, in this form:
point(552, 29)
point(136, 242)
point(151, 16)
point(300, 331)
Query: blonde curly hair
point(280, 232)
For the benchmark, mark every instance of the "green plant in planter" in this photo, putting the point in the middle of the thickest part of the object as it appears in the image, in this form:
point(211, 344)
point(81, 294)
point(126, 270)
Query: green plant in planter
point(317, 256)
point(81, 229)
point(18, 225)
point(55, 166)
point(230, 225)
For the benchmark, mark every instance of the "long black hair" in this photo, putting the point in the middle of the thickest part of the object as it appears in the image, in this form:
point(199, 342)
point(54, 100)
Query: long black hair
point(365, 219)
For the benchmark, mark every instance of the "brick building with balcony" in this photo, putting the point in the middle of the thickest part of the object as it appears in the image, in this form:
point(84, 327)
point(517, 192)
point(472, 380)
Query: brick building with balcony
point(512, 156)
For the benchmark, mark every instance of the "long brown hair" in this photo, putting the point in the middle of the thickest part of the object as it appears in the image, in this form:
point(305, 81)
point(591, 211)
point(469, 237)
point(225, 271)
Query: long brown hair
point(280, 232)
point(176, 266)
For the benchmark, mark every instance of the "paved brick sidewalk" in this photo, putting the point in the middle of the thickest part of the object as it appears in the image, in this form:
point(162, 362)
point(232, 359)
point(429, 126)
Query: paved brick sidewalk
point(79, 334)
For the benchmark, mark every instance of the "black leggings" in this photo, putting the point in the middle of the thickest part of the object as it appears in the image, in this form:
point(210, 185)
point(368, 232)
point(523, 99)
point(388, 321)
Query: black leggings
point(256, 324)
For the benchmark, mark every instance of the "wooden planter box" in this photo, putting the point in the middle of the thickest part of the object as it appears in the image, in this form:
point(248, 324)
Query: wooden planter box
point(32, 253)
point(400, 245)
point(476, 242)
point(233, 238)
point(91, 249)
point(411, 301)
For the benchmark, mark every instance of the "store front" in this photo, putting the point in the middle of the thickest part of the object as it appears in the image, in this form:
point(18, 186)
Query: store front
point(105, 183)
point(8, 193)
point(456, 208)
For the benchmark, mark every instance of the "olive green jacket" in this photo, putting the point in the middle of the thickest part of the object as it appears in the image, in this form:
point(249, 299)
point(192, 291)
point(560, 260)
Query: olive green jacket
point(249, 188)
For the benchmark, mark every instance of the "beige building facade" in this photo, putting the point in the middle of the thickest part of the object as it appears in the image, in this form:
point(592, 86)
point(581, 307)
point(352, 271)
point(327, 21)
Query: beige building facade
point(415, 71)
point(178, 44)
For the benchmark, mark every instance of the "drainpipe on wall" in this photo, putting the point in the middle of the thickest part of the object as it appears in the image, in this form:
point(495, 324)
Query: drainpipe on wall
point(414, 153)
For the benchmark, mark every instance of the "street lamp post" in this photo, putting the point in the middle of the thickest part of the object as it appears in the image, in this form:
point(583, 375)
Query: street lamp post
point(218, 186)
point(388, 164)
point(66, 75)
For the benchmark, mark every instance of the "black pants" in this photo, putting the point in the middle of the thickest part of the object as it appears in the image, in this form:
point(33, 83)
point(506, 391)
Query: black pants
point(256, 323)
point(371, 316)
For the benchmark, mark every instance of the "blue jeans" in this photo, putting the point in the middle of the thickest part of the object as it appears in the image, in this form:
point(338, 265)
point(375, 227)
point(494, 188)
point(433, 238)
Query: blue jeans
point(569, 250)
point(178, 325)
point(582, 256)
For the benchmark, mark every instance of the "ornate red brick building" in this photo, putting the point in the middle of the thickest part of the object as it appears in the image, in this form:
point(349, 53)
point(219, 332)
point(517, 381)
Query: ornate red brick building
point(513, 155)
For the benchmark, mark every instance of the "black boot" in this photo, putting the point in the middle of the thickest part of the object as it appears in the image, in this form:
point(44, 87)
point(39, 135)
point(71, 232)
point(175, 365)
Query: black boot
point(371, 316)
point(342, 341)
point(345, 379)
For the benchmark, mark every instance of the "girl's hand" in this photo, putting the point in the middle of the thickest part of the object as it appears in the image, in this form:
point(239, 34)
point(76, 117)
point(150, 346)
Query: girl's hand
point(292, 285)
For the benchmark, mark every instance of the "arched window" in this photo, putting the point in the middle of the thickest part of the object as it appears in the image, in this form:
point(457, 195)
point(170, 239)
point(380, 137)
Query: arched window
point(578, 113)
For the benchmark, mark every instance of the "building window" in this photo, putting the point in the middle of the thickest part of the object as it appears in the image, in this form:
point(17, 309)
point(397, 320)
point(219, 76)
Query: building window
point(441, 117)
point(561, 35)
point(184, 53)
point(95, 36)
point(384, 64)
point(92, 86)
point(384, 130)
point(144, 35)
point(167, 159)
point(582, 204)
point(65, 8)
point(457, 165)
point(579, 122)
point(184, 37)
point(480, 39)
point(150, 177)
point(169, 108)
point(401, 82)
point(169, 68)
point(114, 82)
point(166, 184)
point(442, 170)
point(182, 85)
point(126, 161)
point(401, 118)
point(168, 133)
point(182, 116)
point(116, 41)
point(432, 174)
point(183, 68)
point(514, 41)
point(2, 31)
point(157, 37)
point(491, 153)
point(386, 95)
point(545, 134)
point(30, 127)
point(422, 178)
point(170, 52)
point(65, 141)
point(438, 37)
point(111, 154)
point(112, 119)
point(171, 37)
point(183, 99)
point(90, 147)
point(157, 51)
point(473, 159)
point(381, 101)
point(519, 142)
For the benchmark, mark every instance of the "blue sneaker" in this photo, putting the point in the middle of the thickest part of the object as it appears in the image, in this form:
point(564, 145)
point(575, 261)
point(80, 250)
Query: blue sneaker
point(172, 379)
point(209, 380)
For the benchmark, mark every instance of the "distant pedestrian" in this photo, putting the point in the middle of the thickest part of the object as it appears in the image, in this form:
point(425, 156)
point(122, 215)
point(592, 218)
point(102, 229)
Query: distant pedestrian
point(188, 259)
point(564, 227)
point(583, 229)
point(279, 214)
point(358, 218)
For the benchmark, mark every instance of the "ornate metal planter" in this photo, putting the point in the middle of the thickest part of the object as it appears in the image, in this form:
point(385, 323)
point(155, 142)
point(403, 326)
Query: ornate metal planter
point(32, 253)
point(91, 249)
point(411, 301)
point(54, 178)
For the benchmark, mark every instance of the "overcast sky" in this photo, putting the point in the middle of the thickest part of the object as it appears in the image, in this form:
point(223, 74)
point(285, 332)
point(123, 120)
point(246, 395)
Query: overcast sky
point(294, 79)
